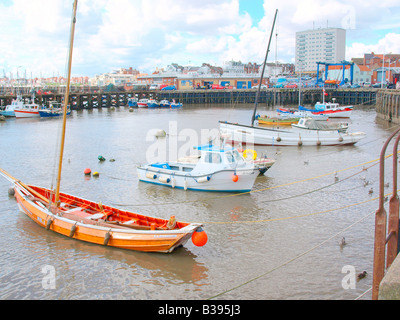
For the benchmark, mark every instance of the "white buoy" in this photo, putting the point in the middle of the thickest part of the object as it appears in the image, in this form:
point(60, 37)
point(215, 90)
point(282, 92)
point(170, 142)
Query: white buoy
point(161, 134)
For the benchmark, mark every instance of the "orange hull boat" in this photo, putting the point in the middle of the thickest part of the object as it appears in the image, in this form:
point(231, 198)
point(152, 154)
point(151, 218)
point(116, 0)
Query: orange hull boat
point(96, 223)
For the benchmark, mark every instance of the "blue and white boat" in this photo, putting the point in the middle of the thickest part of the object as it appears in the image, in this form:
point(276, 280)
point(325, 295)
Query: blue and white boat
point(175, 104)
point(152, 103)
point(165, 104)
point(218, 169)
point(133, 102)
point(9, 111)
point(53, 111)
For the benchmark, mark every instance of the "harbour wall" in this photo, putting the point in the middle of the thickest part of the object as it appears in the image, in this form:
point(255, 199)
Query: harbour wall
point(388, 105)
point(270, 97)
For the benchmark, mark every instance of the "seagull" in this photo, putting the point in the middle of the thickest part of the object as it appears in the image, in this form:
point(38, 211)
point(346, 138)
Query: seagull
point(387, 185)
point(343, 242)
point(361, 275)
point(366, 183)
point(336, 177)
point(371, 191)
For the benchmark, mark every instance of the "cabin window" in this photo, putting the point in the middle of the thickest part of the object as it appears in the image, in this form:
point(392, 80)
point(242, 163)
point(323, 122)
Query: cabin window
point(212, 158)
point(233, 156)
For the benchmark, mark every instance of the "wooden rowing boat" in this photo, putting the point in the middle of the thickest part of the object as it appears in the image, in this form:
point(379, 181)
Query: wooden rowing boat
point(93, 222)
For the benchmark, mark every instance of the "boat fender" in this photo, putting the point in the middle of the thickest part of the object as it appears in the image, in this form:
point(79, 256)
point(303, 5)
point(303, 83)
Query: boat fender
point(107, 238)
point(204, 179)
point(72, 231)
point(340, 139)
point(185, 185)
point(279, 139)
point(318, 143)
point(300, 143)
point(171, 224)
point(173, 183)
point(11, 192)
point(49, 223)
point(253, 154)
point(164, 179)
point(150, 175)
point(235, 178)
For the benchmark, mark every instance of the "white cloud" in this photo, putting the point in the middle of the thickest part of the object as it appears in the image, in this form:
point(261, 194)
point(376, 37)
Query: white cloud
point(145, 34)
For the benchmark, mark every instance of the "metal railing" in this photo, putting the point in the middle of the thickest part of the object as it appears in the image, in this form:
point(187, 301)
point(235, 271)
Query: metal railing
point(386, 229)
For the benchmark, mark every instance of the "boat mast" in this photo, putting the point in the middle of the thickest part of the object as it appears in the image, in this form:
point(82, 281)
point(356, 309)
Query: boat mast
point(253, 118)
point(66, 99)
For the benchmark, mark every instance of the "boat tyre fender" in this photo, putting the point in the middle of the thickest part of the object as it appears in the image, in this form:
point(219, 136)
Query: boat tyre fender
point(72, 231)
point(107, 238)
point(49, 223)
point(253, 154)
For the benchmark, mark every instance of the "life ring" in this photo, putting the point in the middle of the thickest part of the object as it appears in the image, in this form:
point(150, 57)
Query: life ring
point(253, 153)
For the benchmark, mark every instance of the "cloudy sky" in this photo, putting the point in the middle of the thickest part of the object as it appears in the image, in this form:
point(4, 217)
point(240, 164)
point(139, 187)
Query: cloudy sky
point(149, 34)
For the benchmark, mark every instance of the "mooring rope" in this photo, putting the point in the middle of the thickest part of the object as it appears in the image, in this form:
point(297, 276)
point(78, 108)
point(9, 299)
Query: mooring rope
point(294, 258)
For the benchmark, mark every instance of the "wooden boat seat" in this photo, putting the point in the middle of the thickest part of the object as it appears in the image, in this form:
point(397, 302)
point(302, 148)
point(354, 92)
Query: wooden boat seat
point(133, 221)
point(96, 216)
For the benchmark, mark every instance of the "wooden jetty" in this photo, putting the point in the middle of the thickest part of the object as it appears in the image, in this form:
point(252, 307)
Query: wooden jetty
point(270, 97)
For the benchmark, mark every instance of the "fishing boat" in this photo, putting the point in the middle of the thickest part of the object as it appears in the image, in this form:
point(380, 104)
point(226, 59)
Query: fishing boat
point(28, 110)
point(175, 104)
point(133, 102)
point(9, 110)
point(142, 103)
point(53, 111)
point(165, 104)
point(93, 222)
point(218, 168)
point(152, 103)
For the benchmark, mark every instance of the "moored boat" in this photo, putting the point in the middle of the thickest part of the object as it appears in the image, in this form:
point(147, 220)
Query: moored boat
point(142, 103)
point(133, 102)
point(152, 103)
point(9, 110)
point(220, 169)
point(263, 136)
point(165, 104)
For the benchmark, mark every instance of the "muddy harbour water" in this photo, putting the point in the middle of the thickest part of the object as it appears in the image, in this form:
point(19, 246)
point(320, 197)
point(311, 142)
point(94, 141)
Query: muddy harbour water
point(281, 241)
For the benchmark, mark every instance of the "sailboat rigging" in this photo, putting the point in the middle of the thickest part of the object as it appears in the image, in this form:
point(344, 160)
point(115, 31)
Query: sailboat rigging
point(253, 118)
point(92, 221)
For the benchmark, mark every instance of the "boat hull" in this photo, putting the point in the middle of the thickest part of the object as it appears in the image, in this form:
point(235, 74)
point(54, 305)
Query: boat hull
point(244, 134)
point(220, 181)
point(26, 114)
point(164, 241)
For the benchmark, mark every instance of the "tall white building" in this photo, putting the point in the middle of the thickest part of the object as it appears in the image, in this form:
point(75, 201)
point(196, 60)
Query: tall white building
point(319, 45)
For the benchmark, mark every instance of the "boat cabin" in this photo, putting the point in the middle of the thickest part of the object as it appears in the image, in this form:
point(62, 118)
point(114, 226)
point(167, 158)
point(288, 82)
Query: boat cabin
point(211, 159)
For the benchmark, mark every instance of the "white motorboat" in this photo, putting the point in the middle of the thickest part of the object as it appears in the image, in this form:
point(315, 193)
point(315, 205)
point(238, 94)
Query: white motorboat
point(261, 136)
point(220, 169)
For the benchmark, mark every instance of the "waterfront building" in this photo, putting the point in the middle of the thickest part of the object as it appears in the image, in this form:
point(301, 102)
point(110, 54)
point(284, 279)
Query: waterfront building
point(319, 45)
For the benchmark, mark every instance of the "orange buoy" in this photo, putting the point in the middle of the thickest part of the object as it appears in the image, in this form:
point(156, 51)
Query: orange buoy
point(87, 171)
point(235, 178)
point(199, 237)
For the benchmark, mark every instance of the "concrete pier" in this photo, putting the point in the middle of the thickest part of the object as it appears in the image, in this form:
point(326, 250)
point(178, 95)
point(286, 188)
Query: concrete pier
point(388, 105)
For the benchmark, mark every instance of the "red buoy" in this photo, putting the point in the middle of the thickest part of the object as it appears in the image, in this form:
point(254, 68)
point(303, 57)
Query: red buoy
point(235, 178)
point(199, 237)
point(87, 172)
